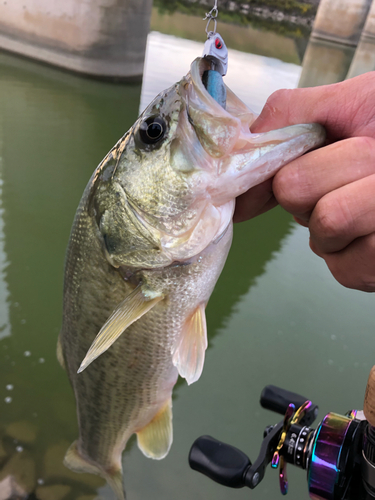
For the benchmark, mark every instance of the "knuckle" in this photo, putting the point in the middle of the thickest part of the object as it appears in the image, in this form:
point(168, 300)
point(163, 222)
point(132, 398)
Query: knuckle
point(291, 188)
point(276, 97)
point(366, 286)
point(362, 283)
point(340, 272)
point(354, 267)
point(330, 220)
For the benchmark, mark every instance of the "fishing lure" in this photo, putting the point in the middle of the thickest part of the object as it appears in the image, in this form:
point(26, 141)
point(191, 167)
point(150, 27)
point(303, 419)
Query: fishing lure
point(216, 51)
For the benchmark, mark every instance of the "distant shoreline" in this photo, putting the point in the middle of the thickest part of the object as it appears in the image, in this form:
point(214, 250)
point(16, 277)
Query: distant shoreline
point(290, 17)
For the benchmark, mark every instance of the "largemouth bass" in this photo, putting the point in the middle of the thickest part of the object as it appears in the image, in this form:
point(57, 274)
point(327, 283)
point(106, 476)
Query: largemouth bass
point(148, 243)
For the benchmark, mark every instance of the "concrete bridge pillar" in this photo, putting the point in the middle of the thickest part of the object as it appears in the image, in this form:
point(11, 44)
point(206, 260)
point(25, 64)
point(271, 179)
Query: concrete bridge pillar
point(364, 57)
point(100, 38)
point(325, 62)
point(342, 44)
point(341, 21)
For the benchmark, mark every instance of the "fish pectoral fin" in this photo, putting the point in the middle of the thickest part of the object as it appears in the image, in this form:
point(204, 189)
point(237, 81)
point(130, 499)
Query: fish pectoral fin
point(74, 461)
point(59, 353)
point(190, 352)
point(156, 438)
point(135, 305)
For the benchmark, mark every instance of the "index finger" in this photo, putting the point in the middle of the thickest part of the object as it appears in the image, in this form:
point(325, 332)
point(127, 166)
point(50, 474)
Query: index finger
point(345, 109)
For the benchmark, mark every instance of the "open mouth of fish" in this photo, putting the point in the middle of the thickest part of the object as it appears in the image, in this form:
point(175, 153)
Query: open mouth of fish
point(222, 124)
point(212, 80)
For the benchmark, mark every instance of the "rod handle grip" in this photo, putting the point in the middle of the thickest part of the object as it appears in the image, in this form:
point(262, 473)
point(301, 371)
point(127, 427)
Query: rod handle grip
point(369, 404)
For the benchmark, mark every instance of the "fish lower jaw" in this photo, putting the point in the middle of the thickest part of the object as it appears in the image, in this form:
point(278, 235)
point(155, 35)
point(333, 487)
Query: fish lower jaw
point(209, 229)
point(200, 256)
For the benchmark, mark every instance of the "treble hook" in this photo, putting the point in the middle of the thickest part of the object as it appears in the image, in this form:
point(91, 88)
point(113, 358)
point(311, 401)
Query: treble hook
point(211, 16)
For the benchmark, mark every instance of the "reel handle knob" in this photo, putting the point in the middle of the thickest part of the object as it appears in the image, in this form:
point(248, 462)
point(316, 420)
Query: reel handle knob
point(221, 462)
point(369, 404)
point(276, 399)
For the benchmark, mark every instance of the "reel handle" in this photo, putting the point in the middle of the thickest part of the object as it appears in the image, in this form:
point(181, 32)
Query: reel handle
point(276, 399)
point(221, 462)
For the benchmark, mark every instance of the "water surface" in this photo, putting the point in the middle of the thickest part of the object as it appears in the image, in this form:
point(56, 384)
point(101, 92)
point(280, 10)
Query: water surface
point(276, 315)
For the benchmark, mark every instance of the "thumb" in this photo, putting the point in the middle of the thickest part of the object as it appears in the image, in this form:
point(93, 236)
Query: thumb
point(345, 109)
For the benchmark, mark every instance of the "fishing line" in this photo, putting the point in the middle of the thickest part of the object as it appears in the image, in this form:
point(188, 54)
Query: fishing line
point(211, 16)
point(215, 48)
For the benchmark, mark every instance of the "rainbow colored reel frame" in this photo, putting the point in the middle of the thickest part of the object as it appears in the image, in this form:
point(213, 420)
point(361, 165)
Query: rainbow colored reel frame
point(339, 456)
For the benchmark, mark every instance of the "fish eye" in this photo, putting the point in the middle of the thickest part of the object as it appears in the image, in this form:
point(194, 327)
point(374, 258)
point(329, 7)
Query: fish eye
point(152, 130)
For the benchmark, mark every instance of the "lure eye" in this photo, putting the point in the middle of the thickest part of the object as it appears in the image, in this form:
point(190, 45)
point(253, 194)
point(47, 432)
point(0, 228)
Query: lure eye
point(218, 43)
point(152, 130)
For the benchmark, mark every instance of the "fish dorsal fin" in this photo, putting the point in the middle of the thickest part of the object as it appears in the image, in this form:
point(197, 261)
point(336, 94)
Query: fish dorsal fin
point(156, 438)
point(189, 354)
point(135, 305)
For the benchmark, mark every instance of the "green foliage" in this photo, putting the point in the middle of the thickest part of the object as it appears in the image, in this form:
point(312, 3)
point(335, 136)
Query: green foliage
point(192, 7)
point(239, 17)
point(287, 6)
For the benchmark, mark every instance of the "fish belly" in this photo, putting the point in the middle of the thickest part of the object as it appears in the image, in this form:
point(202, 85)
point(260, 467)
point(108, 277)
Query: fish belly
point(122, 390)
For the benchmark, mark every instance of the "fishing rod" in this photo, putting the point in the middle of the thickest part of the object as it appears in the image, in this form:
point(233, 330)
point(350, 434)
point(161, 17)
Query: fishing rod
point(339, 455)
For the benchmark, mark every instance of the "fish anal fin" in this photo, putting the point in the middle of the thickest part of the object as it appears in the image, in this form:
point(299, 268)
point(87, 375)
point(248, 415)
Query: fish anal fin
point(75, 462)
point(59, 353)
point(189, 354)
point(134, 306)
point(156, 438)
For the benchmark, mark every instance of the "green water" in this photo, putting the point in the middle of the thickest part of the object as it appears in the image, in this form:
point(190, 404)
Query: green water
point(276, 315)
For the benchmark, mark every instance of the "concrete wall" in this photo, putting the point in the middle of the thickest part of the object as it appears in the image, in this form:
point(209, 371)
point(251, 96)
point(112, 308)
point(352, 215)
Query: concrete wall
point(102, 38)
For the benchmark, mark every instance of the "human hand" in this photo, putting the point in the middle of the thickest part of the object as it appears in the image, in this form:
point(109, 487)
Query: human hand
point(330, 190)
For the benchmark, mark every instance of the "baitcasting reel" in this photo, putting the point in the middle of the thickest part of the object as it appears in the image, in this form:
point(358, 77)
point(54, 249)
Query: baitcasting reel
point(339, 455)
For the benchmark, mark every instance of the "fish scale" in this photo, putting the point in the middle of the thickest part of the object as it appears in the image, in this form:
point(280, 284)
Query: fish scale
point(151, 340)
point(148, 243)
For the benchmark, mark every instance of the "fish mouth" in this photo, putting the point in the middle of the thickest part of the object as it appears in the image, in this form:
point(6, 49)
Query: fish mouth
point(212, 79)
point(239, 159)
point(214, 111)
point(205, 92)
point(207, 84)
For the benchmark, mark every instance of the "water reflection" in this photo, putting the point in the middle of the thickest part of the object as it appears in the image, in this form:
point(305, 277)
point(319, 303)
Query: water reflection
point(252, 77)
point(55, 129)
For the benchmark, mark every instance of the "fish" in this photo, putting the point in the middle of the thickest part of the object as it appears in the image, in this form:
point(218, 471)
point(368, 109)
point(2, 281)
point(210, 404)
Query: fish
point(149, 240)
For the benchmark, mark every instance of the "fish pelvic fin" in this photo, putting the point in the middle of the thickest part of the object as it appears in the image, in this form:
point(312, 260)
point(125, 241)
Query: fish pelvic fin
point(189, 354)
point(74, 461)
point(135, 305)
point(59, 353)
point(156, 438)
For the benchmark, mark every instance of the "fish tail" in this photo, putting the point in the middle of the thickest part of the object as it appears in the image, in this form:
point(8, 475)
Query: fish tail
point(115, 481)
point(77, 463)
